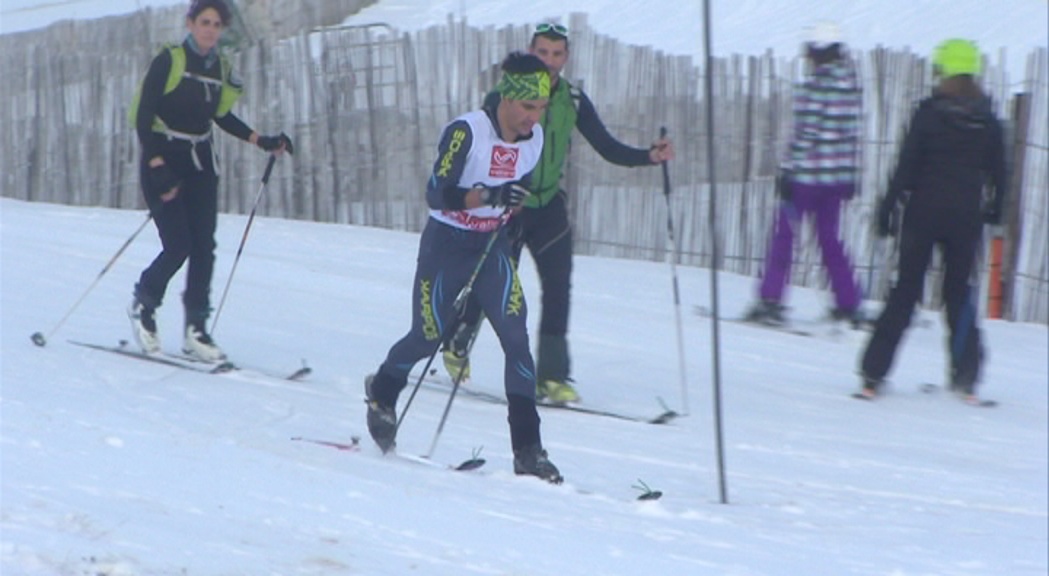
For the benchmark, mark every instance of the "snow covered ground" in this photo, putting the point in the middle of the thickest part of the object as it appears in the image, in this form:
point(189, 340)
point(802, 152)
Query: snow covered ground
point(117, 467)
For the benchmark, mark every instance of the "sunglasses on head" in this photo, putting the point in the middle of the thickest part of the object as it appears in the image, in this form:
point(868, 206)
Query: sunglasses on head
point(548, 28)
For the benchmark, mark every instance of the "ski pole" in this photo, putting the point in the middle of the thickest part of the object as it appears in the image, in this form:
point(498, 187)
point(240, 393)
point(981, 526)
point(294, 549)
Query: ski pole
point(455, 384)
point(673, 273)
point(38, 337)
point(457, 306)
point(244, 238)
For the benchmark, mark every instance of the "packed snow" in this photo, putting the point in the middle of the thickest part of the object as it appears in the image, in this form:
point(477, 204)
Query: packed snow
point(116, 466)
point(113, 466)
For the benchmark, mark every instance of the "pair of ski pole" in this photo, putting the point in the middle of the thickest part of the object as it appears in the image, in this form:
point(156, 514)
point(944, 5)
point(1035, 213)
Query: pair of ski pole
point(39, 339)
point(458, 308)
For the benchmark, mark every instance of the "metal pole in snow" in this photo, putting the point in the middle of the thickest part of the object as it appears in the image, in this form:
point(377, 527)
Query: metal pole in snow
point(715, 253)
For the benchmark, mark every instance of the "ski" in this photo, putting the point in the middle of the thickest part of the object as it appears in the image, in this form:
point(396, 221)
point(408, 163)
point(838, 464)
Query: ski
point(354, 445)
point(969, 400)
point(161, 358)
point(929, 388)
point(475, 462)
point(434, 382)
point(794, 326)
point(188, 363)
point(703, 312)
point(472, 463)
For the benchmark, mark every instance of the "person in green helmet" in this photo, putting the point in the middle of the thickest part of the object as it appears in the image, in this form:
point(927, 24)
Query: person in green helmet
point(544, 225)
point(188, 88)
point(953, 147)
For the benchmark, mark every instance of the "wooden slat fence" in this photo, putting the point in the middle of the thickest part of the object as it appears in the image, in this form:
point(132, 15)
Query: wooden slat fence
point(365, 105)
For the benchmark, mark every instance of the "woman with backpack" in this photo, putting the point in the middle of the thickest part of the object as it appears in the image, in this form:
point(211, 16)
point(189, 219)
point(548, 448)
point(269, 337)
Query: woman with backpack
point(188, 88)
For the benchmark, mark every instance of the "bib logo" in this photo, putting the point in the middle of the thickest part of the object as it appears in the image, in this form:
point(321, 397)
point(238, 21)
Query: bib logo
point(453, 147)
point(515, 301)
point(504, 162)
point(430, 330)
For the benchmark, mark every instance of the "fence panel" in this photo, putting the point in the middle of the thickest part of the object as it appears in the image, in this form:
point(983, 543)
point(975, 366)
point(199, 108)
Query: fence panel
point(365, 106)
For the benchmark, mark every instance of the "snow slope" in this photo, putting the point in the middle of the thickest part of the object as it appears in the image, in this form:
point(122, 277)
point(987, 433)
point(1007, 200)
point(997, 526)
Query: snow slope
point(113, 466)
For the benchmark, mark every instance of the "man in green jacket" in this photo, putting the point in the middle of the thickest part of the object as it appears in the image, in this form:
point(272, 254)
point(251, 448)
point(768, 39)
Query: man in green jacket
point(544, 225)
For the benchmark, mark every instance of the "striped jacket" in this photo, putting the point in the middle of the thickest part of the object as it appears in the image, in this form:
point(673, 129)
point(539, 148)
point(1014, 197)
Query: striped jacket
point(825, 143)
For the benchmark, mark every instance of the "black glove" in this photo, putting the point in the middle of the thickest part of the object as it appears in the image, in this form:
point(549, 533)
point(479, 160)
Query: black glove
point(992, 215)
point(160, 180)
point(784, 185)
point(888, 214)
point(508, 194)
point(273, 143)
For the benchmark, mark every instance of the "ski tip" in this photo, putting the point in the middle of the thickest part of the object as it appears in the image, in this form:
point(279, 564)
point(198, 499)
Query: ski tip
point(664, 418)
point(300, 373)
point(978, 402)
point(471, 464)
point(224, 367)
point(650, 496)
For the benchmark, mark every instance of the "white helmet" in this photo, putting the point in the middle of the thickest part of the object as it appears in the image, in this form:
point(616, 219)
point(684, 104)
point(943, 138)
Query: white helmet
point(823, 34)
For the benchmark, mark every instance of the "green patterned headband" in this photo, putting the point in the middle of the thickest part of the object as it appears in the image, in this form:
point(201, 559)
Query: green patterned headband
point(531, 86)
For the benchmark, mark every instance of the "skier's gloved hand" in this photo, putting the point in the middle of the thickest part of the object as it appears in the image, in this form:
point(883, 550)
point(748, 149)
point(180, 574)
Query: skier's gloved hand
point(784, 184)
point(160, 181)
point(888, 214)
point(508, 194)
point(275, 143)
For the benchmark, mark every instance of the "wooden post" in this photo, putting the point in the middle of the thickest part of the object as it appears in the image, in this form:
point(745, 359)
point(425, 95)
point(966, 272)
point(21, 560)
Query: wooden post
point(1012, 211)
point(994, 282)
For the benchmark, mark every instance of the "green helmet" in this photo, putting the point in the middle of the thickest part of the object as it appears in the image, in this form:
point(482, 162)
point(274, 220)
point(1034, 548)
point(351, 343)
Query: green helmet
point(955, 57)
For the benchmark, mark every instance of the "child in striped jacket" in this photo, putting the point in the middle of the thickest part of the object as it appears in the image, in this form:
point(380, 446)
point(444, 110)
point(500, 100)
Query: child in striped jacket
point(819, 174)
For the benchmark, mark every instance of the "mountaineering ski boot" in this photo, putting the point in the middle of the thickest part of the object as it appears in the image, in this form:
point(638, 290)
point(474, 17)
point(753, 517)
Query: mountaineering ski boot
point(199, 345)
point(552, 369)
point(870, 389)
point(767, 312)
point(458, 367)
point(856, 317)
point(554, 392)
point(532, 461)
point(382, 419)
point(144, 326)
point(456, 351)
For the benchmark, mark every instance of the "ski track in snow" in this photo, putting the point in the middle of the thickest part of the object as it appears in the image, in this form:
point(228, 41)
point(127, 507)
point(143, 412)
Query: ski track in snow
point(120, 467)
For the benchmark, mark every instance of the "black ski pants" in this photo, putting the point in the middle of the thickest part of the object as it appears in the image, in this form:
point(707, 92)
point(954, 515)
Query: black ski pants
point(959, 236)
point(186, 225)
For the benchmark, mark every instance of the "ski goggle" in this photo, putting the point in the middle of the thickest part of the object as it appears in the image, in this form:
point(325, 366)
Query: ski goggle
point(548, 28)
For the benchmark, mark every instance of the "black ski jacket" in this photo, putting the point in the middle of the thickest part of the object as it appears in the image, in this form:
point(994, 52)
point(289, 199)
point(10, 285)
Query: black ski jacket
point(953, 148)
